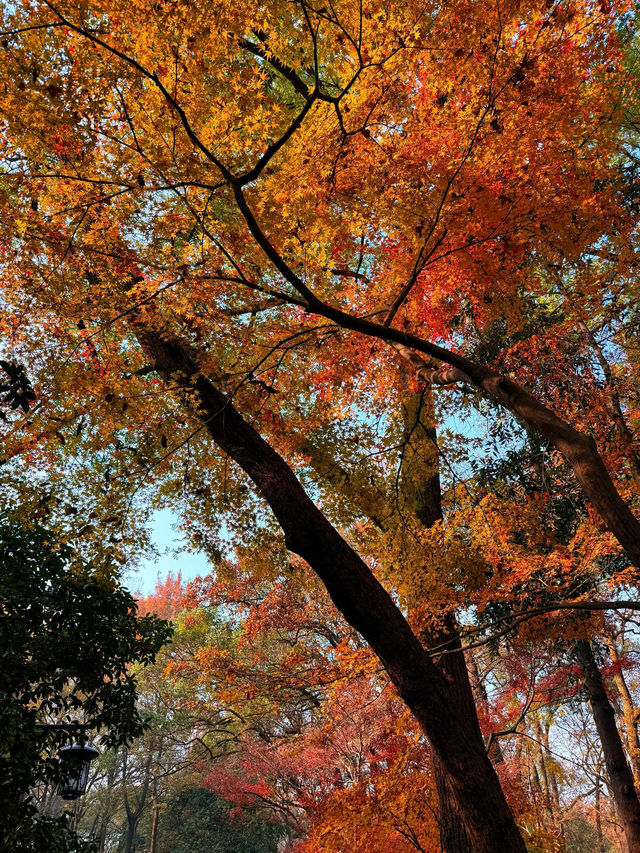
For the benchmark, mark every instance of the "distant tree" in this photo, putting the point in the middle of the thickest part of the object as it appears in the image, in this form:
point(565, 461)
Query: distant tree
point(195, 820)
point(166, 600)
point(582, 837)
point(68, 635)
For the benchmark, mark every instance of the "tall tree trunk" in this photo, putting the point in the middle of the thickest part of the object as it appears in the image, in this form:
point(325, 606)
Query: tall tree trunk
point(107, 806)
point(480, 697)
point(130, 837)
point(553, 782)
point(454, 837)
point(134, 814)
point(420, 490)
point(358, 595)
point(601, 848)
point(618, 770)
point(544, 775)
point(629, 713)
point(422, 493)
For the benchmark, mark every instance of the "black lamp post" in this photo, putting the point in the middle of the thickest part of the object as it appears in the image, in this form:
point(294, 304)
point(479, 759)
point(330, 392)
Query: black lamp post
point(74, 770)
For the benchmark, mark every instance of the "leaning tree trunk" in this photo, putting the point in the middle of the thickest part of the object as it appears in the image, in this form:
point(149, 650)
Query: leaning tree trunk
point(357, 594)
point(618, 769)
point(454, 837)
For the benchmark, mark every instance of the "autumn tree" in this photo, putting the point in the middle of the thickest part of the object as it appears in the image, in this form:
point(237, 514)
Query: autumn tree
point(242, 226)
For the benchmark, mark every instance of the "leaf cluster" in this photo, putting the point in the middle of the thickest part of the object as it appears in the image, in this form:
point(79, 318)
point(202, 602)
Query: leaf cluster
point(16, 388)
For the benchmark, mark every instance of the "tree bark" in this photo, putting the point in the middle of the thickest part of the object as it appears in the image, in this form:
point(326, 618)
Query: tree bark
point(618, 770)
point(454, 836)
point(358, 595)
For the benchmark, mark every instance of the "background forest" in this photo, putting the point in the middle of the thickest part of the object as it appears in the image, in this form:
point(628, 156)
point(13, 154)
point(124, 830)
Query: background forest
point(262, 737)
point(352, 288)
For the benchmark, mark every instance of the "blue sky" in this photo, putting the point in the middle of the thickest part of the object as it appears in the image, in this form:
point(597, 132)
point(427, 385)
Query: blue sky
point(170, 545)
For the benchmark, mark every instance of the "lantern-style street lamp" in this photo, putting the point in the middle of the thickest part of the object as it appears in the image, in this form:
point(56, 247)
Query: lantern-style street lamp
point(74, 770)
